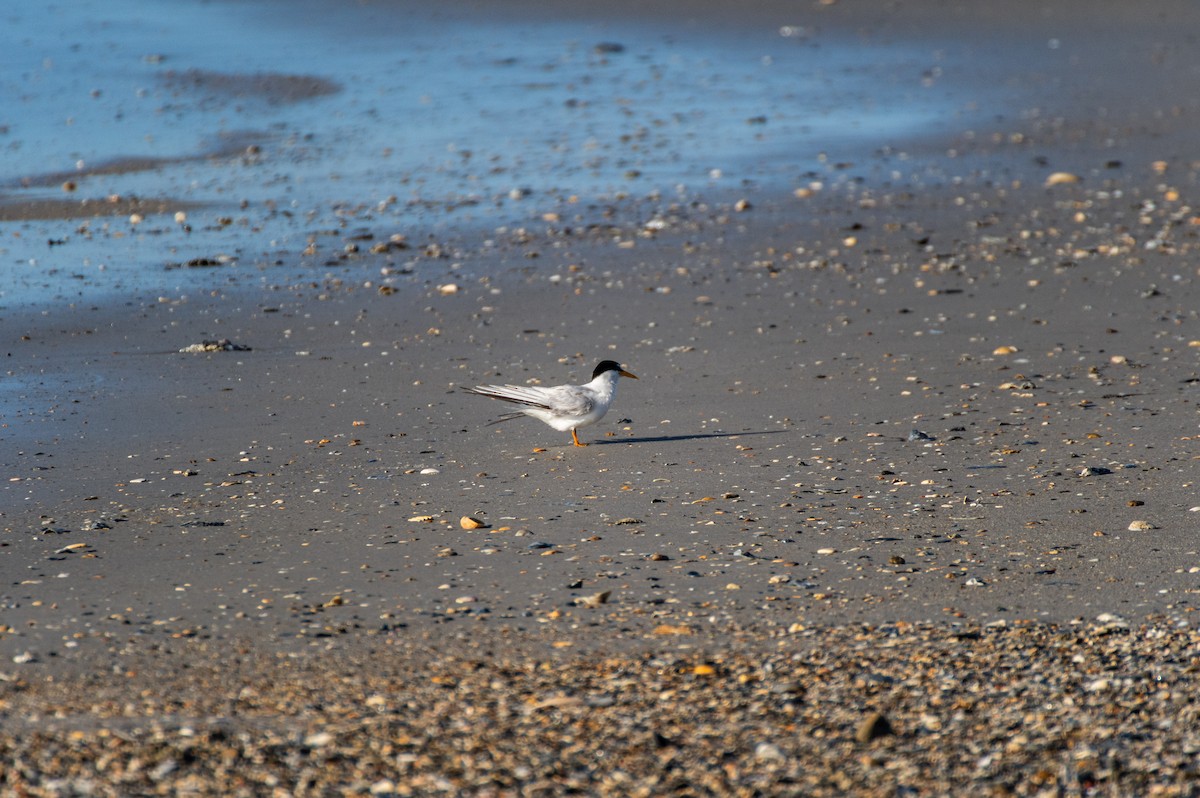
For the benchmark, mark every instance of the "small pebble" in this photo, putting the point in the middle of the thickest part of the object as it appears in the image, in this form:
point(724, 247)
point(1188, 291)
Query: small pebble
point(768, 751)
point(1061, 178)
point(872, 727)
point(594, 600)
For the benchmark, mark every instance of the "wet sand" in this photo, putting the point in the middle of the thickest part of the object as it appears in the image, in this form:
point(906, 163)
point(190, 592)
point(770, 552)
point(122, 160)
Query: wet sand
point(914, 435)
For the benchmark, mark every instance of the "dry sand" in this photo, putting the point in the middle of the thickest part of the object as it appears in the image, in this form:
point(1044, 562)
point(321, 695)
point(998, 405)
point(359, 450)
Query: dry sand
point(921, 446)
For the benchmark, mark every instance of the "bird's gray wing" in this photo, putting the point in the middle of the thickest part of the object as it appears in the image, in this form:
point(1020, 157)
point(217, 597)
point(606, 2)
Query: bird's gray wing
point(569, 400)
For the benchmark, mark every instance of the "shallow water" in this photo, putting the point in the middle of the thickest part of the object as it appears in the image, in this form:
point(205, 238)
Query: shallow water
point(270, 121)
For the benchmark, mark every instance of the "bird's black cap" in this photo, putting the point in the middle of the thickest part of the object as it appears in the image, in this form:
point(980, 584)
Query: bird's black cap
point(606, 365)
point(611, 365)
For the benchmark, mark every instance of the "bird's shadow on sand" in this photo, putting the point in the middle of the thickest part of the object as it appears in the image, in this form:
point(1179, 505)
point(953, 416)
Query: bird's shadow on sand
point(693, 437)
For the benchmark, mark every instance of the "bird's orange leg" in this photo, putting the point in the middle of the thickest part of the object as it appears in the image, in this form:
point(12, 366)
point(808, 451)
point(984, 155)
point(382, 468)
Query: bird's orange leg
point(575, 438)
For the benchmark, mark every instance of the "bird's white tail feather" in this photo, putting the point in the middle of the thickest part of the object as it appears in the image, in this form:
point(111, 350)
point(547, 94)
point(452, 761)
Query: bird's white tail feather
point(509, 393)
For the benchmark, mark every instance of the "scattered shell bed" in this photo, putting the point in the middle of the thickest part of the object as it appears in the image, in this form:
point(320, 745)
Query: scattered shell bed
point(1103, 708)
point(222, 345)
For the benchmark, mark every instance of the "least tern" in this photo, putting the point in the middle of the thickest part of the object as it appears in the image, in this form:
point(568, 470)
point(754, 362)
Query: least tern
point(564, 407)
